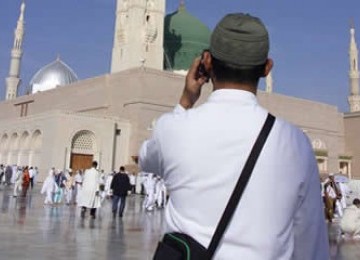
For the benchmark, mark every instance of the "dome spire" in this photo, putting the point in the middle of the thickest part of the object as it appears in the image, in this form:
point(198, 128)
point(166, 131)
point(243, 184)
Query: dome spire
point(13, 80)
point(182, 5)
point(354, 97)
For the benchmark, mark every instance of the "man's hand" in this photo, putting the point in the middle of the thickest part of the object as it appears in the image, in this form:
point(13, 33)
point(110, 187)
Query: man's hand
point(192, 89)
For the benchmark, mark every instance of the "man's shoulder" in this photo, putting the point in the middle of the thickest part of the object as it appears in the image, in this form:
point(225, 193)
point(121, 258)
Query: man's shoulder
point(288, 129)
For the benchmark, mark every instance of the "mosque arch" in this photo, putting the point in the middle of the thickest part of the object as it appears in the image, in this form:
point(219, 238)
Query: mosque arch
point(13, 149)
point(4, 141)
point(83, 142)
point(24, 141)
point(35, 144)
point(24, 146)
point(36, 140)
point(14, 142)
point(83, 149)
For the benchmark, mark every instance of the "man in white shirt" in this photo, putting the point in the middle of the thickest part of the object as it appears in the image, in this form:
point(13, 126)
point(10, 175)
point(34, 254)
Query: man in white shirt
point(149, 185)
point(201, 151)
point(78, 184)
point(32, 176)
point(350, 222)
point(132, 179)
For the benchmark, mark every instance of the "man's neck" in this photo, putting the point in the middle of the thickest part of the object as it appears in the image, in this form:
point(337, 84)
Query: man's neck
point(231, 85)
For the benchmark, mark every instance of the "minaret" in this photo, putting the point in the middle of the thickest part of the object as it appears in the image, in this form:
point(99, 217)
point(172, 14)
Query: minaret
point(13, 80)
point(269, 83)
point(354, 98)
point(138, 36)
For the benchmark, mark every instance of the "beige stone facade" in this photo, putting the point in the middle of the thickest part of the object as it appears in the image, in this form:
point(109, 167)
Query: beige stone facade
point(113, 114)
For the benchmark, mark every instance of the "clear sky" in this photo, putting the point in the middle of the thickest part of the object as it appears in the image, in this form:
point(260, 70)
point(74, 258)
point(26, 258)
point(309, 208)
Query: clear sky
point(309, 39)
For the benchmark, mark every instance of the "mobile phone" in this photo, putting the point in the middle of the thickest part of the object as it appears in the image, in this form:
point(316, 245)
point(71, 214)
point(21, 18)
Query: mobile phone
point(201, 71)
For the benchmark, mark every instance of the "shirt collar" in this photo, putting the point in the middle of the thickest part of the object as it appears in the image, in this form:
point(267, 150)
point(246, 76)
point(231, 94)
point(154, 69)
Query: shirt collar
point(233, 95)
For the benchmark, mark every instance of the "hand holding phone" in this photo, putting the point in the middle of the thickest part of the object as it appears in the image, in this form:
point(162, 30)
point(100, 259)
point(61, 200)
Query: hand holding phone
point(193, 83)
point(201, 71)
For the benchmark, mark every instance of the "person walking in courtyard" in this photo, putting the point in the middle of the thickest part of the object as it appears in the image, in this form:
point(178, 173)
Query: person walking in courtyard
point(49, 187)
point(201, 151)
point(60, 180)
point(350, 221)
point(120, 185)
point(18, 181)
point(2, 173)
point(150, 191)
point(69, 187)
point(89, 197)
point(132, 179)
point(25, 181)
point(8, 175)
point(32, 177)
point(78, 184)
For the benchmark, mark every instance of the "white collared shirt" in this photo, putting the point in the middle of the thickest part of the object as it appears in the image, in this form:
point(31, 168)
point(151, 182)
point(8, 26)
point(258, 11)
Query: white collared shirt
point(200, 153)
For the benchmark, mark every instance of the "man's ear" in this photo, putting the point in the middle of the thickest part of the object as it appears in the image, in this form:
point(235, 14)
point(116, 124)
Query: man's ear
point(268, 66)
point(207, 61)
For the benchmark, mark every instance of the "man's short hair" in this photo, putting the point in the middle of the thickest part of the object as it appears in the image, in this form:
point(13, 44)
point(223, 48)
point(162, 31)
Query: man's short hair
point(356, 201)
point(224, 72)
point(94, 164)
point(122, 168)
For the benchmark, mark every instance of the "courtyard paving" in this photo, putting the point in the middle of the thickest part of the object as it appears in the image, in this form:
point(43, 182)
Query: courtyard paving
point(31, 231)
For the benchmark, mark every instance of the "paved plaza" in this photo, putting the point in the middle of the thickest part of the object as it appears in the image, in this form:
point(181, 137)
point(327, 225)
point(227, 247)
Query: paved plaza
point(31, 231)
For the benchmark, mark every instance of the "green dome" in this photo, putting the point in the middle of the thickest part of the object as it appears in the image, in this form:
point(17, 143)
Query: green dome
point(185, 37)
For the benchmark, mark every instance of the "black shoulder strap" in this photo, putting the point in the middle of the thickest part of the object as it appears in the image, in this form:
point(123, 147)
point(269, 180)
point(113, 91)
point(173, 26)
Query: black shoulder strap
point(240, 185)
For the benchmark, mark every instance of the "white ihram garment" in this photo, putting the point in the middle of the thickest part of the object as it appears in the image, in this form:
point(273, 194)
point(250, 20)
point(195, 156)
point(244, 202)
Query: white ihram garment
point(200, 153)
point(350, 222)
point(90, 186)
point(108, 181)
point(160, 193)
point(18, 182)
point(49, 187)
point(149, 185)
point(78, 184)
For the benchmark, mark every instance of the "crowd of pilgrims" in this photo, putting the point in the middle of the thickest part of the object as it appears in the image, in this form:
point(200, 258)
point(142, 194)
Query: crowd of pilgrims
point(65, 187)
point(23, 178)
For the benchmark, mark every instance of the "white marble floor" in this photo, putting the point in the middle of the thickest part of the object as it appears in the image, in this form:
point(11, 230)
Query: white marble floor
point(31, 231)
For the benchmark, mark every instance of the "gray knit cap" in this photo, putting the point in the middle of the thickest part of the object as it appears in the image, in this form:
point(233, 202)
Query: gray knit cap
point(241, 40)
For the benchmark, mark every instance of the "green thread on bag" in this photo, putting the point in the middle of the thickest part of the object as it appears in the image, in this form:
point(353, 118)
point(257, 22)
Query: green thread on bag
point(184, 243)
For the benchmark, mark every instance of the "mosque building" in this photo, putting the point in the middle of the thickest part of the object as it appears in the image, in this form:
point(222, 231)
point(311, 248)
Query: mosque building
point(65, 122)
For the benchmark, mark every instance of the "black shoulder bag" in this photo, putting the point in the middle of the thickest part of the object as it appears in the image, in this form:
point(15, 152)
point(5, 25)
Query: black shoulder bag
point(179, 246)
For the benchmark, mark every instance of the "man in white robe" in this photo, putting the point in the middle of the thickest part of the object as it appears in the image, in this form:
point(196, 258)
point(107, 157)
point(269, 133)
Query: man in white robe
point(350, 222)
point(150, 185)
point(14, 169)
point(108, 181)
point(160, 192)
point(201, 151)
point(89, 195)
point(49, 187)
point(18, 181)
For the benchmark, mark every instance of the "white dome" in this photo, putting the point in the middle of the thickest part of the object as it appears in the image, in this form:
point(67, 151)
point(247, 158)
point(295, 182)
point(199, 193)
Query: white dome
point(55, 74)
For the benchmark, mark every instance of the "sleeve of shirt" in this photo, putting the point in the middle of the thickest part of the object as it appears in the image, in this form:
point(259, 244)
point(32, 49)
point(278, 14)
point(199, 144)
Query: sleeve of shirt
point(310, 232)
point(150, 157)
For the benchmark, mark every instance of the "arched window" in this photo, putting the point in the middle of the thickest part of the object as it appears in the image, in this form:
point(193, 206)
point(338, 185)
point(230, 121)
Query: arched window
point(36, 141)
point(4, 142)
point(83, 142)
